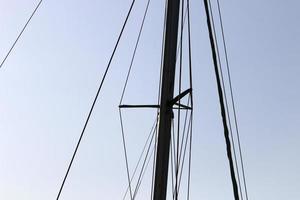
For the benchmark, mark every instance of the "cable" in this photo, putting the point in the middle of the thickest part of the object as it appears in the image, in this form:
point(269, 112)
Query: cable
point(190, 157)
point(151, 134)
point(134, 52)
point(232, 98)
point(139, 184)
point(95, 100)
point(179, 110)
point(154, 156)
point(184, 21)
point(173, 156)
point(125, 152)
point(226, 102)
point(184, 150)
point(121, 99)
point(183, 131)
point(223, 112)
point(143, 169)
point(20, 34)
point(192, 102)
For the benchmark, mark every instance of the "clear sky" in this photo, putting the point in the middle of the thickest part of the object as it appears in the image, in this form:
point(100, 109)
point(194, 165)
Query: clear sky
point(49, 81)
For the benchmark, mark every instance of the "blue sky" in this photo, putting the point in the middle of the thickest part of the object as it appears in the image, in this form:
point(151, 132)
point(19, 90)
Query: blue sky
point(48, 83)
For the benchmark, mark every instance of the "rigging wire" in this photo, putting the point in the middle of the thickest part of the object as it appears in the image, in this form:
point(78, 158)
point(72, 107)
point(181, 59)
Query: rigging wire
point(226, 101)
point(184, 151)
point(173, 162)
point(232, 97)
point(95, 100)
point(183, 131)
point(172, 179)
point(135, 50)
point(20, 34)
point(185, 134)
point(179, 110)
point(184, 21)
point(223, 111)
point(121, 100)
point(190, 157)
point(154, 156)
point(151, 135)
point(191, 95)
point(138, 187)
point(125, 153)
point(143, 167)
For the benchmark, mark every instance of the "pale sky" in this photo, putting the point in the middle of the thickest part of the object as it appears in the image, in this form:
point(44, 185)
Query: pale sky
point(49, 81)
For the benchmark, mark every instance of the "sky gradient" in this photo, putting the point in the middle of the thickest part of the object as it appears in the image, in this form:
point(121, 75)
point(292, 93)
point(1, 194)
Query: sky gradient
point(49, 81)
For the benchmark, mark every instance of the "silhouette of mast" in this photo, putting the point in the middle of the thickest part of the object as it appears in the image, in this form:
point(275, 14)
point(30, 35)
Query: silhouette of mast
point(167, 92)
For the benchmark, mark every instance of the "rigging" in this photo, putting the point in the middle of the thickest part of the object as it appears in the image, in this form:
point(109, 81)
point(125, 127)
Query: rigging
point(95, 100)
point(225, 99)
point(20, 34)
point(167, 142)
point(122, 96)
point(232, 98)
point(165, 105)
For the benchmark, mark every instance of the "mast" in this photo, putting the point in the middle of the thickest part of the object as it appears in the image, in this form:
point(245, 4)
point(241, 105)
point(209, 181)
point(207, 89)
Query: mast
point(167, 93)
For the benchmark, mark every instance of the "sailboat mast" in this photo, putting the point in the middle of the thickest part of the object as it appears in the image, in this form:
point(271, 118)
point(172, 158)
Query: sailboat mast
point(167, 94)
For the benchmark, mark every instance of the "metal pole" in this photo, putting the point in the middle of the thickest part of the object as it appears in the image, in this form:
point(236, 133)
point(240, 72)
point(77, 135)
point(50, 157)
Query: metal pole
point(167, 92)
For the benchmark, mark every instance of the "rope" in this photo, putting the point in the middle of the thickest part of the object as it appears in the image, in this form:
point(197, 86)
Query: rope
point(20, 34)
point(226, 102)
point(94, 102)
point(232, 98)
point(223, 111)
